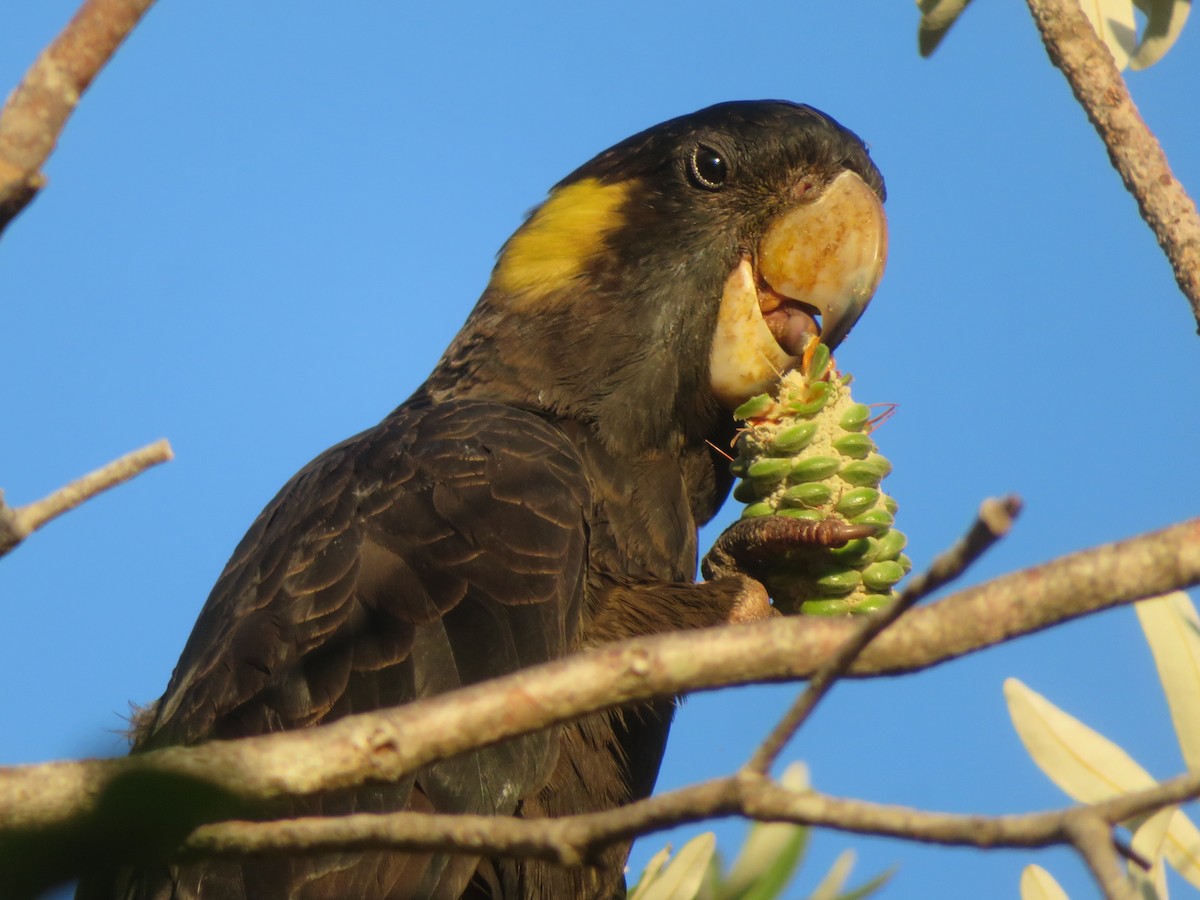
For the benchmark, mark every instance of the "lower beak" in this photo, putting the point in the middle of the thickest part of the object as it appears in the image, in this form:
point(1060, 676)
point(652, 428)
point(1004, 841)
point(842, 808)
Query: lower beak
point(822, 257)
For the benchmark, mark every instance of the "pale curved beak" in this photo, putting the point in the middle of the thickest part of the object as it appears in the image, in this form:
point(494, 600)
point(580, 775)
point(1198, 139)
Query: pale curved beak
point(829, 254)
point(824, 256)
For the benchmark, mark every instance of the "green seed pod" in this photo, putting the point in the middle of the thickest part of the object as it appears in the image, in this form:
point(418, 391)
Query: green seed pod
point(794, 439)
point(769, 469)
point(856, 446)
point(890, 504)
point(808, 515)
point(826, 606)
point(856, 502)
point(818, 364)
point(875, 516)
point(881, 462)
point(856, 552)
point(872, 602)
point(854, 418)
point(814, 493)
point(814, 468)
point(862, 473)
point(881, 576)
point(839, 581)
point(754, 407)
point(813, 400)
point(746, 492)
point(762, 508)
point(890, 544)
point(808, 453)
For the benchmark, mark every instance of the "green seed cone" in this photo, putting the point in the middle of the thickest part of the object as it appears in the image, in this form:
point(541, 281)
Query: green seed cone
point(807, 452)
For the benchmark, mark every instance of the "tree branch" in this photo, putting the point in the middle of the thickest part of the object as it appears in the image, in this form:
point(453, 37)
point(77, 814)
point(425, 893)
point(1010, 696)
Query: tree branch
point(17, 524)
point(1074, 47)
point(574, 839)
point(1092, 838)
point(37, 110)
point(385, 745)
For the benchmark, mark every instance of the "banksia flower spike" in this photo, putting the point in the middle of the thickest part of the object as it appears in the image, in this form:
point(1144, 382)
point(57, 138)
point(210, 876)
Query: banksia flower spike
point(807, 452)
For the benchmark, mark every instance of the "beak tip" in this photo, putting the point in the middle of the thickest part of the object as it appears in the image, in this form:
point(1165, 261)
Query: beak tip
point(829, 253)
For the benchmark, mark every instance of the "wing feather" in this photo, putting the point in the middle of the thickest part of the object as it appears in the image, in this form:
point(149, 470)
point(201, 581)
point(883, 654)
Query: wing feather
point(441, 548)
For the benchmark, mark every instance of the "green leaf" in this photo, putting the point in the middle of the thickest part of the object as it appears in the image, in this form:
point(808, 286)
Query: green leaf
point(1164, 22)
point(936, 18)
point(774, 872)
point(1038, 884)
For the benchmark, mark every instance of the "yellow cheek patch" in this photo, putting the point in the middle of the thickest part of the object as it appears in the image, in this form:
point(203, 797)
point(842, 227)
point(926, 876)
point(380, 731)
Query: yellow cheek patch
point(559, 240)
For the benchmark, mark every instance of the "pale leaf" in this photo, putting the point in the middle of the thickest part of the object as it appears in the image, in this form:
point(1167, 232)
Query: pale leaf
point(1150, 885)
point(1113, 21)
point(684, 875)
point(653, 867)
point(1085, 764)
point(1164, 22)
point(1038, 884)
point(1173, 633)
point(1148, 840)
point(831, 884)
point(1182, 847)
point(936, 18)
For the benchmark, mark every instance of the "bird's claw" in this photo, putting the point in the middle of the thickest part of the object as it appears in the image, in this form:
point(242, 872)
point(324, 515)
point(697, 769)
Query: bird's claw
point(749, 545)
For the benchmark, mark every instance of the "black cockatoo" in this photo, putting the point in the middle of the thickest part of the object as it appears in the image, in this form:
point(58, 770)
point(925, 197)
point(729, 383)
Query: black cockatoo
point(540, 493)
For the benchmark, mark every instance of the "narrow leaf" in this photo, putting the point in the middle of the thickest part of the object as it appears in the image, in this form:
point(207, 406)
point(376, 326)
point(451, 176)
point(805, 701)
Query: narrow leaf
point(650, 873)
point(1085, 764)
point(866, 890)
point(1173, 633)
point(1038, 884)
point(831, 884)
point(1089, 767)
point(1164, 22)
point(1148, 841)
point(684, 875)
point(1182, 847)
point(936, 18)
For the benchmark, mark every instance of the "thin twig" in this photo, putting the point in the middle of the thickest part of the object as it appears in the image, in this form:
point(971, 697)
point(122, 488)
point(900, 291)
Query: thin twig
point(1092, 837)
point(17, 524)
point(570, 839)
point(994, 520)
point(1126, 850)
point(37, 110)
point(1135, 153)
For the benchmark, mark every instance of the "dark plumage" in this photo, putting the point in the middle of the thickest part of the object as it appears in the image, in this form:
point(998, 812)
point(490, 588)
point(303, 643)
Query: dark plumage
point(540, 493)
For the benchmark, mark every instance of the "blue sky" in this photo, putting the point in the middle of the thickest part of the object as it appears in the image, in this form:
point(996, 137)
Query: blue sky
point(266, 221)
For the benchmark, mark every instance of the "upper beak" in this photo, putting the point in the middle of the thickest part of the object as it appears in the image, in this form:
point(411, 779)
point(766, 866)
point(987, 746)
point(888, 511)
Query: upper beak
point(825, 256)
point(829, 253)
